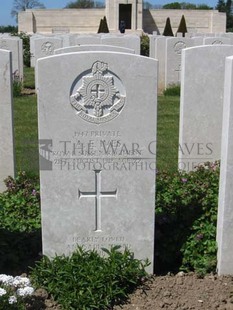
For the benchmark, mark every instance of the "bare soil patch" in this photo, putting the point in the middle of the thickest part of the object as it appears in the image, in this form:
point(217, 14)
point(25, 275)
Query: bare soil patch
point(174, 292)
point(183, 292)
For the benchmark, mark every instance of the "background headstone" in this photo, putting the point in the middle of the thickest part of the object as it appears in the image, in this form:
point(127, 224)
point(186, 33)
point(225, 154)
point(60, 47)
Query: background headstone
point(14, 44)
point(97, 131)
point(88, 39)
point(173, 51)
point(201, 104)
point(123, 40)
point(216, 41)
point(45, 47)
point(7, 162)
point(93, 47)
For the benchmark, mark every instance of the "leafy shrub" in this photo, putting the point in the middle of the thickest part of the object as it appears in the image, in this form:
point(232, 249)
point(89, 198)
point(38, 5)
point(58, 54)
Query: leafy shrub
point(145, 45)
point(20, 235)
point(26, 47)
point(186, 215)
point(87, 280)
point(172, 90)
point(19, 204)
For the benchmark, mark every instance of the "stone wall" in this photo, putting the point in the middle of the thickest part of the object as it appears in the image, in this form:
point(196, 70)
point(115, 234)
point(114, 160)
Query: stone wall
point(196, 20)
point(87, 20)
point(62, 21)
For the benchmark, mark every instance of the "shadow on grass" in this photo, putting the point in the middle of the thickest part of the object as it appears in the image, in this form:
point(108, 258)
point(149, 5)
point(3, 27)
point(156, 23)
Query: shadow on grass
point(19, 251)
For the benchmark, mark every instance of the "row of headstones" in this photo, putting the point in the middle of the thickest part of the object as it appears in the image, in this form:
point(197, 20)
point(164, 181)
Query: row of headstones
point(167, 50)
point(15, 45)
point(97, 130)
point(43, 46)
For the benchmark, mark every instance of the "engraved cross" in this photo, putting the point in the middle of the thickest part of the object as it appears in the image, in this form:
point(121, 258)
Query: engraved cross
point(97, 91)
point(98, 194)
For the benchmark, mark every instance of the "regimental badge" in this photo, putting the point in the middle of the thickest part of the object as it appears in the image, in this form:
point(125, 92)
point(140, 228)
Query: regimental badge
point(47, 48)
point(98, 100)
point(179, 46)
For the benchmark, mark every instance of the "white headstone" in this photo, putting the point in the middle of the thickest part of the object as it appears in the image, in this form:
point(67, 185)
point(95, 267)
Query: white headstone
point(201, 104)
point(45, 47)
point(216, 41)
point(225, 201)
point(127, 40)
point(7, 163)
point(152, 39)
point(159, 54)
point(97, 116)
point(93, 47)
point(88, 39)
point(14, 44)
point(173, 50)
point(197, 41)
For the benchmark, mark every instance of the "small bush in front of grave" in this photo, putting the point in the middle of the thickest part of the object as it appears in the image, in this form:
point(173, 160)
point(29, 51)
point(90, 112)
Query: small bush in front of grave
point(185, 222)
point(86, 280)
point(145, 45)
point(172, 90)
point(20, 226)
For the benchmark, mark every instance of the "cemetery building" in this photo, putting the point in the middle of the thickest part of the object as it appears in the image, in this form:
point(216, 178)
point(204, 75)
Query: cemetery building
point(137, 19)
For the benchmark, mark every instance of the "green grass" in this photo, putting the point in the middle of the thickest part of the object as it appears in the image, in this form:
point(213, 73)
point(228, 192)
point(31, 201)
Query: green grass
point(168, 133)
point(29, 81)
point(26, 134)
point(25, 113)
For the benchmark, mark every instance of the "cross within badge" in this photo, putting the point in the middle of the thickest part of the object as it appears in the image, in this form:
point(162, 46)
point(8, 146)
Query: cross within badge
point(98, 194)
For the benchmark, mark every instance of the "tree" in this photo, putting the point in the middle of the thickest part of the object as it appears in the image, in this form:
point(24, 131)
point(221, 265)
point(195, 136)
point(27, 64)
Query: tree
point(221, 6)
point(229, 15)
point(188, 6)
point(168, 29)
point(203, 6)
point(103, 27)
point(172, 6)
point(225, 7)
point(182, 26)
point(80, 4)
point(23, 5)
